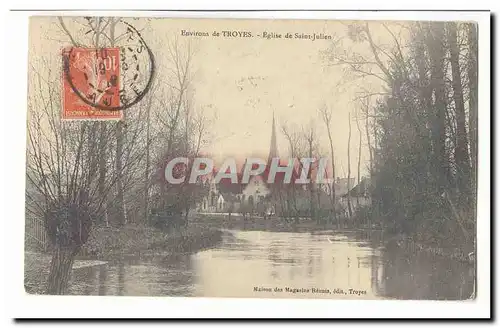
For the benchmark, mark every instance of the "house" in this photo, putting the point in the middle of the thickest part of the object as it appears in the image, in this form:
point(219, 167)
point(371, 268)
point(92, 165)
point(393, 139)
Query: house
point(221, 203)
point(359, 195)
point(256, 191)
point(342, 186)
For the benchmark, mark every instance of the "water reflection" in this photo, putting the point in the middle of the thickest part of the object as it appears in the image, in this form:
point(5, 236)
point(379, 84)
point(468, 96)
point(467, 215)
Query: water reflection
point(102, 279)
point(294, 260)
point(249, 259)
point(422, 276)
point(136, 277)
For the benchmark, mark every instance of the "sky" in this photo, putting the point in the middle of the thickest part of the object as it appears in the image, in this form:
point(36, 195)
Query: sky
point(247, 80)
point(244, 81)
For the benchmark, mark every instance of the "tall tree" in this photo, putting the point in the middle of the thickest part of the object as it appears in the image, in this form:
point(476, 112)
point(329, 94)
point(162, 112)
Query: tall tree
point(326, 115)
point(421, 146)
point(62, 158)
point(473, 81)
point(462, 145)
point(366, 110)
point(288, 201)
point(147, 173)
point(310, 139)
point(359, 151)
point(171, 114)
point(436, 48)
point(349, 208)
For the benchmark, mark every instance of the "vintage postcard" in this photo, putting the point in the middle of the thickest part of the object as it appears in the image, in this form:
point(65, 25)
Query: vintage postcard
point(252, 158)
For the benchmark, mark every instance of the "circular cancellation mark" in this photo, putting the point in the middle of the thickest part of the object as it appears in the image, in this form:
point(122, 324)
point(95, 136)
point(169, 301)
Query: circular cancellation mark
point(95, 82)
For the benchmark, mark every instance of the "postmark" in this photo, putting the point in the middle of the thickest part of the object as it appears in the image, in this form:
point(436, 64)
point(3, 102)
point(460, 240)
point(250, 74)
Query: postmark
point(100, 82)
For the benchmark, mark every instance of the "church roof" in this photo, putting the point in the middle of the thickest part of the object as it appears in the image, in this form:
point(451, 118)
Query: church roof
point(279, 179)
point(226, 186)
point(361, 189)
point(273, 148)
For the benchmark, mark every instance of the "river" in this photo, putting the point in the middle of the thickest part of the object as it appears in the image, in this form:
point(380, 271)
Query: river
point(284, 265)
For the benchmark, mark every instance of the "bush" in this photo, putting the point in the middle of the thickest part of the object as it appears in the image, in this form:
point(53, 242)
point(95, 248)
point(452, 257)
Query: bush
point(363, 215)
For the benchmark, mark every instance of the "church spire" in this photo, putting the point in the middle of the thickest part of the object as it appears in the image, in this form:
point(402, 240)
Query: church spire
point(273, 150)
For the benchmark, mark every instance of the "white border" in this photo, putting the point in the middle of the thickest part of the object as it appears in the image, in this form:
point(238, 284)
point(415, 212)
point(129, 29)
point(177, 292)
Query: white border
point(257, 5)
point(23, 305)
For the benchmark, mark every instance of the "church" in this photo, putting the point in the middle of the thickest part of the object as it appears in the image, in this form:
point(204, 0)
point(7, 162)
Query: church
point(266, 199)
point(253, 196)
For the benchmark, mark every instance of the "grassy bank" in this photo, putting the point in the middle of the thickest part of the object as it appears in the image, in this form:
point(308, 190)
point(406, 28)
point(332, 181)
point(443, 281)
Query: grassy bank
point(412, 245)
point(111, 242)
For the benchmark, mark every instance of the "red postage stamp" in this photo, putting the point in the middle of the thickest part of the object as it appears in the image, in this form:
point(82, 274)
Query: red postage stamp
point(91, 84)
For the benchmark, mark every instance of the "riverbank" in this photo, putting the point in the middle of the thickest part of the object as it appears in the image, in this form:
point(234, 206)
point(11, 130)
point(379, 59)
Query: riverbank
point(461, 253)
point(111, 242)
point(272, 224)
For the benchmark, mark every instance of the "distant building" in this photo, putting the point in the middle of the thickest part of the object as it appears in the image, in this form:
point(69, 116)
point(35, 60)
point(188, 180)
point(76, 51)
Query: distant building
point(254, 195)
point(342, 185)
point(259, 196)
point(359, 195)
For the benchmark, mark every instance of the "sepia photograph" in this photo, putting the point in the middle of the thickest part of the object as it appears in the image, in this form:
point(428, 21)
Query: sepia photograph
point(252, 158)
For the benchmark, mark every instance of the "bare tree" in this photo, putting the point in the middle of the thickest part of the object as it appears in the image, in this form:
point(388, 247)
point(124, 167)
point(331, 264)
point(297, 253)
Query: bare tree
point(182, 127)
point(358, 118)
point(472, 77)
point(62, 158)
point(349, 208)
point(68, 162)
point(326, 115)
point(197, 135)
point(102, 31)
point(172, 108)
point(294, 139)
point(435, 43)
point(309, 136)
point(147, 173)
point(366, 109)
point(422, 152)
point(462, 145)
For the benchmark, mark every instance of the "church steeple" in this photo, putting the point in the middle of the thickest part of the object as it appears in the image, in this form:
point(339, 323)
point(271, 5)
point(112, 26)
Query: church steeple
point(273, 150)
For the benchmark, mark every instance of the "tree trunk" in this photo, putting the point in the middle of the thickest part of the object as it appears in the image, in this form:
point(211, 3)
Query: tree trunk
point(368, 140)
point(146, 170)
point(462, 145)
point(311, 185)
point(435, 44)
point(102, 135)
point(332, 191)
point(163, 184)
point(359, 156)
point(120, 202)
point(102, 171)
point(121, 217)
point(60, 270)
point(473, 80)
point(349, 209)
point(370, 152)
point(376, 199)
point(186, 217)
point(425, 97)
